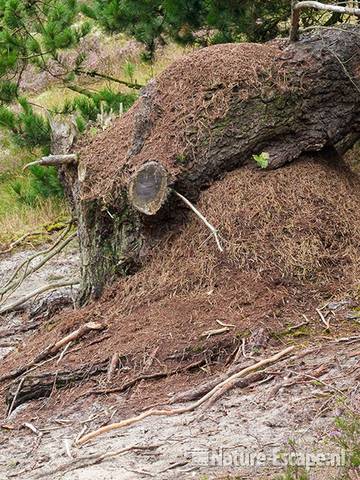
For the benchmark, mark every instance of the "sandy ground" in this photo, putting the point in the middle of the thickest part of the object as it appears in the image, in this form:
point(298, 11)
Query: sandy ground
point(61, 267)
point(245, 433)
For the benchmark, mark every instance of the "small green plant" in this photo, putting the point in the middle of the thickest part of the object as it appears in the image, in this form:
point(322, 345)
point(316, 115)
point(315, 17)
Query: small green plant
point(294, 473)
point(262, 159)
point(347, 436)
point(129, 71)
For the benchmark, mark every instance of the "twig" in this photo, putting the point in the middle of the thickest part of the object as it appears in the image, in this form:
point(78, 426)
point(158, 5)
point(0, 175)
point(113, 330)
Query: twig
point(322, 318)
point(76, 334)
point(224, 324)
point(15, 396)
point(295, 327)
point(348, 340)
point(19, 240)
point(45, 288)
point(218, 390)
point(93, 73)
point(31, 427)
point(53, 160)
point(212, 229)
point(218, 331)
point(295, 15)
point(62, 354)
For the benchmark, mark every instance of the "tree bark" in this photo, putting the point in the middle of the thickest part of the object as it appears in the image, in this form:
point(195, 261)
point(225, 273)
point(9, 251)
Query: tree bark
point(33, 387)
point(306, 100)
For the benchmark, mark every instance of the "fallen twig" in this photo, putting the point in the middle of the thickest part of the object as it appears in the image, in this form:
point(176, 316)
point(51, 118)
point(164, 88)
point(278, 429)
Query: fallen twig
point(224, 324)
point(348, 340)
point(323, 319)
point(299, 325)
point(62, 354)
point(220, 388)
point(11, 407)
point(212, 229)
point(15, 243)
point(218, 331)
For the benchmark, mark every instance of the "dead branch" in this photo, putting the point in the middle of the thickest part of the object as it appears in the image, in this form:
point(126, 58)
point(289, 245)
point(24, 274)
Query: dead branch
point(55, 348)
point(15, 396)
point(299, 325)
point(76, 334)
point(222, 387)
point(297, 7)
point(53, 160)
point(212, 229)
point(38, 291)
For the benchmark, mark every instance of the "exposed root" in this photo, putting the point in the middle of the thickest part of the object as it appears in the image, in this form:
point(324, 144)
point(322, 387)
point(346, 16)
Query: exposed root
point(31, 387)
point(55, 348)
point(44, 288)
point(150, 376)
point(218, 390)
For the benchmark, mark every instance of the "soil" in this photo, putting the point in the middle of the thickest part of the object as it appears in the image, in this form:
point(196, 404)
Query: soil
point(291, 239)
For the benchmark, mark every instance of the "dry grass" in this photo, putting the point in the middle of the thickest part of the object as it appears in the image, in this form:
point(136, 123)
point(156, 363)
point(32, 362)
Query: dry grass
point(20, 219)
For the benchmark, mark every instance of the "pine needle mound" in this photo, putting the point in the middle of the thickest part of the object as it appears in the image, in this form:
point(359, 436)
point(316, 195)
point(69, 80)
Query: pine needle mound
point(291, 238)
point(297, 226)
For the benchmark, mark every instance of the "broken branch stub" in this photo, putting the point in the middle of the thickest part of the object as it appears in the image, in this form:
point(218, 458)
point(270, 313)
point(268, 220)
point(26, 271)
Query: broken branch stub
point(148, 188)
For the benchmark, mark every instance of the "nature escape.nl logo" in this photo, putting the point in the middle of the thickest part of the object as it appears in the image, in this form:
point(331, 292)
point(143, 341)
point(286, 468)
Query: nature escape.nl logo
point(243, 457)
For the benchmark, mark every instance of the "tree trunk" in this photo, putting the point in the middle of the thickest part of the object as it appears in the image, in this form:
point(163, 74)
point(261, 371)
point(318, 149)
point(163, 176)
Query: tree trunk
point(201, 118)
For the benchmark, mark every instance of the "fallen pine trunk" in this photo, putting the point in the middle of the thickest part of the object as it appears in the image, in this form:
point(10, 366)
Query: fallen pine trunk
point(207, 114)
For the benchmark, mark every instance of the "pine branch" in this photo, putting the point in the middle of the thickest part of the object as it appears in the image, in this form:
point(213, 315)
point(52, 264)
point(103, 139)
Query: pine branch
point(94, 74)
